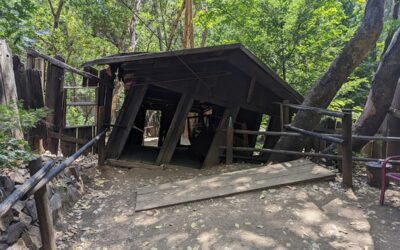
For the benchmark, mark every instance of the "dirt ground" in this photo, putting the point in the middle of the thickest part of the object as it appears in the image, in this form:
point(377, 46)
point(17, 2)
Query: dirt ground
point(318, 215)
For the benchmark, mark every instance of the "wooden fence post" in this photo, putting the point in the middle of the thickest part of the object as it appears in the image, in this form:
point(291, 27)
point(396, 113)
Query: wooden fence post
point(43, 210)
point(285, 116)
point(229, 142)
point(347, 154)
point(102, 141)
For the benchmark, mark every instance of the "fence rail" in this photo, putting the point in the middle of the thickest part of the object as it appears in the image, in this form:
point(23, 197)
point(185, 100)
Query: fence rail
point(36, 185)
point(344, 140)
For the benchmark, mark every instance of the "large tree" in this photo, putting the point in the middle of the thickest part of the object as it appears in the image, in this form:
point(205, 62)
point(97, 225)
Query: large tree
point(381, 94)
point(326, 88)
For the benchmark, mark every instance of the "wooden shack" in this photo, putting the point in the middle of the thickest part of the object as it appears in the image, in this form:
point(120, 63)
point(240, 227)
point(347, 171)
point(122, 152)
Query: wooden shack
point(195, 92)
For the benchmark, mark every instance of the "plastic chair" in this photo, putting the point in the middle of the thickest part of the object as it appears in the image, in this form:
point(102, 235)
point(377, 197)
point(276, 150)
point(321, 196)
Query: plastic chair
point(389, 176)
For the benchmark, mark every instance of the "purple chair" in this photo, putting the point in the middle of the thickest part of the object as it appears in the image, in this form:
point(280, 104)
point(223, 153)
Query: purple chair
point(387, 176)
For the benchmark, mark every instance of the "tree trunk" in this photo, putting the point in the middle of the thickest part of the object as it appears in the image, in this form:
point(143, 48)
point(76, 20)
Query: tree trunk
point(393, 122)
point(332, 80)
point(381, 94)
point(159, 35)
point(395, 16)
point(8, 88)
point(175, 26)
point(56, 13)
point(188, 30)
point(132, 26)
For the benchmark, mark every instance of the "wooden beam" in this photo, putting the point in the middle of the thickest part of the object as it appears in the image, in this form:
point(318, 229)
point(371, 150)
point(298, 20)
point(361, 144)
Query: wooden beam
point(43, 210)
point(67, 138)
point(219, 139)
point(53, 101)
point(250, 93)
point(105, 93)
point(102, 142)
point(176, 128)
point(125, 120)
point(274, 125)
point(90, 82)
point(61, 64)
point(23, 89)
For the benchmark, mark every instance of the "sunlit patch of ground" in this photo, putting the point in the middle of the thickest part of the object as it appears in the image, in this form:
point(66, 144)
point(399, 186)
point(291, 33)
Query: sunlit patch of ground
point(310, 216)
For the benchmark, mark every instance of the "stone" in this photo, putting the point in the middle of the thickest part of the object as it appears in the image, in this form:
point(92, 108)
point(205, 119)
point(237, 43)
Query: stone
point(30, 209)
point(7, 185)
point(19, 245)
point(55, 205)
point(5, 221)
point(55, 202)
point(14, 231)
point(17, 177)
point(24, 172)
point(32, 238)
point(17, 208)
point(3, 246)
point(73, 193)
point(24, 218)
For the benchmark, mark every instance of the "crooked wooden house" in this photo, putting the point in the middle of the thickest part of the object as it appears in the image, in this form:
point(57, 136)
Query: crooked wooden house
point(196, 92)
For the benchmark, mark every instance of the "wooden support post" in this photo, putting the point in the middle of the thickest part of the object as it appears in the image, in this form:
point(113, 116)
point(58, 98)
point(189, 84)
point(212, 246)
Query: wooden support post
point(90, 82)
point(285, 117)
point(43, 210)
point(229, 142)
point(212, 157)
point(347, 154)
point(175, 130)
point(125, 120)
point(105, 93)
point(53, 101)
point(101, 150)
point(250, 92)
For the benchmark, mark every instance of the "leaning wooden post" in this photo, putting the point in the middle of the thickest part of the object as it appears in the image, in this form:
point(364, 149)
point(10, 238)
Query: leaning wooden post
point(43, 210)
point(347, 154)
point(101, 145)
point(285, 117)
point(229, 142)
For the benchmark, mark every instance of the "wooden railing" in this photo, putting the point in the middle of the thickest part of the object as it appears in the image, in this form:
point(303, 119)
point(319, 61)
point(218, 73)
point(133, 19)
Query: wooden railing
point(41, 175)
point(344, 140)
point(36, 185)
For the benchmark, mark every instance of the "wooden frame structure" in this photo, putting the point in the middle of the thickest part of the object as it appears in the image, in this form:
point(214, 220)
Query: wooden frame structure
point(226, 81)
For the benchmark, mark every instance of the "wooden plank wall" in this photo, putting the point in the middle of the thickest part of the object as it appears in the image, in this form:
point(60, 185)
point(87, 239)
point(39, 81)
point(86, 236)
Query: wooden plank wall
point(54, 102)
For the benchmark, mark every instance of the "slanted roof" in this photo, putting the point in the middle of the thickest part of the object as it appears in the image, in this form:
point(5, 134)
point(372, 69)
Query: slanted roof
point(219, 68)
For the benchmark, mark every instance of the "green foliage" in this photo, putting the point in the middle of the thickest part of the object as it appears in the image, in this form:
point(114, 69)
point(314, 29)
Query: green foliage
point(298, 39)
point(15, 22)
point(14, 152)
point(77, 116)
point(352, 95)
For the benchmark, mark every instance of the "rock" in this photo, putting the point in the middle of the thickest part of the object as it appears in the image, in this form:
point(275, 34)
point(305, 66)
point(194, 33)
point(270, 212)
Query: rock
point(19, 245)
point(73, 193)
point(14, 232)
point(17, 177)
point(24, 172)
point(5, 221)
point(24, 218)
point(3, 246)
point(7, 185)
point(30, 209)
point(17, 208)
point(55, 205)
point(32, 238)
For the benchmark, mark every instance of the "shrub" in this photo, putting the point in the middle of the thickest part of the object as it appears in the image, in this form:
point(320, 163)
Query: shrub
point(14, 152)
